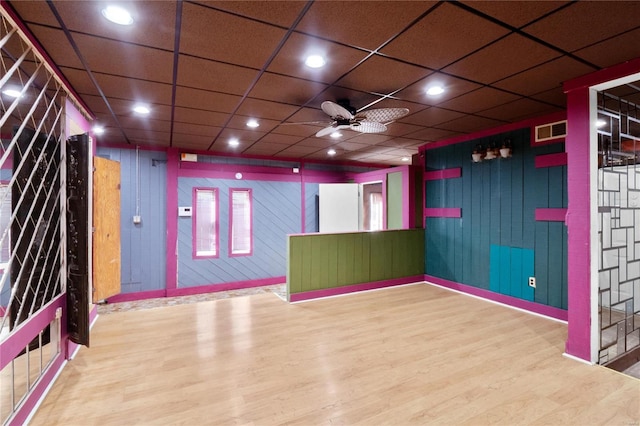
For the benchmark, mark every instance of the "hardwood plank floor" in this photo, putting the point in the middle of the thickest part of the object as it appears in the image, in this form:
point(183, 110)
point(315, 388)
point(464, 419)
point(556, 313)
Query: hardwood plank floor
point(406, 355)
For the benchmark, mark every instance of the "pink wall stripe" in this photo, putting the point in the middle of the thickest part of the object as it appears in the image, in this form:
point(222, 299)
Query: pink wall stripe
point(551, 160)
point(443, 174)
point(538, 308)
point(551, 215)
point(315, 294)
point(187, 291)
point(443, 212)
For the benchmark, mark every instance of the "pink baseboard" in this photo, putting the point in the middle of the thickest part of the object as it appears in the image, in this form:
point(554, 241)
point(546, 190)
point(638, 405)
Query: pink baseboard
point(237, 285)
point(315, 294)
point(551, 160)
point(548, 311)
point(443, 212)
point(443, 174)
point(551, 215)
point(141, 295)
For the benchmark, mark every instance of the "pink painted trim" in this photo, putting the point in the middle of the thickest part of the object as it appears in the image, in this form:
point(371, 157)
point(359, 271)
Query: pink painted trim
point(578, 222)
point(231, 175)
point(455, 172)
point(551, 160)
point(617, 71)
point(212, 288)
point(194, 221)
point(315, 294)
point(496, 130)
point(142, 295)
point(172, 218)
point(26, 331)
point(443, 212)
point(537, 308)
point(230, 240)
point(551, 215)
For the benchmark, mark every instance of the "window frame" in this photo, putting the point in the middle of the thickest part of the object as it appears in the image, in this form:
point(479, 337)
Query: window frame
point(194, 221)
point(251, 229)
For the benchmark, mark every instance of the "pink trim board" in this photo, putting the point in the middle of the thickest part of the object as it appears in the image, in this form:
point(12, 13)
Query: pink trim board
point(231, 227)
point(452, 173)
point(316, 294)
point(551, 160)
point(194, 221)
point(548, 311)
point(211, 288)
point(550, 215)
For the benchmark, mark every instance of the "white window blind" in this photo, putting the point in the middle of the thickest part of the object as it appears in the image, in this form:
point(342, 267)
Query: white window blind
point(206, 226)
point(241, 221)
point(5, 216)
point(375, 211)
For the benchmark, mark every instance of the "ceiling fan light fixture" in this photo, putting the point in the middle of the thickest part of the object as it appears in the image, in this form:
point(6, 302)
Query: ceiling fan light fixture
point(331, 152)
point(315, 61)
point(141, 109)
point(117, 15)
point(435, 90)
point(253, 123)
point(234, 142)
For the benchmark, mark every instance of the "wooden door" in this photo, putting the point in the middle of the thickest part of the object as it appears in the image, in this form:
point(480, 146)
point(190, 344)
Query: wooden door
point(106, 224)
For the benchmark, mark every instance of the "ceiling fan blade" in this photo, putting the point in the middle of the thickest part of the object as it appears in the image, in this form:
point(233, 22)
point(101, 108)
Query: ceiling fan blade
point(365, 126)
point(326, 131)
point(384, 115)
point(334, 110)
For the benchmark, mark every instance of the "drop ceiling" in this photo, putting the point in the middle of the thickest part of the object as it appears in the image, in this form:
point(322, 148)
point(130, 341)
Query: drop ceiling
point(206, 68)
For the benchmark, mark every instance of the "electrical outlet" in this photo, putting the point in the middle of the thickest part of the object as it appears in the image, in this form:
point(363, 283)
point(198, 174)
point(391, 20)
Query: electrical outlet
point(137, 219)
point(532, 282)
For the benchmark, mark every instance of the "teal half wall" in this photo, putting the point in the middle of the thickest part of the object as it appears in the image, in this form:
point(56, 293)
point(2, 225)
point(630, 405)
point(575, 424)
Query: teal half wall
point(497, 243)
point(332, 261)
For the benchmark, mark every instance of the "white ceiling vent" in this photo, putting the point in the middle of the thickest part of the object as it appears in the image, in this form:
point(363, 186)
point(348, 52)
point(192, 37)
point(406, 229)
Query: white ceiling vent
point(551, 131)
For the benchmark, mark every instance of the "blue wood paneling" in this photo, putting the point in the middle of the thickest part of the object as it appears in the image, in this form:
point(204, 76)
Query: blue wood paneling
point(143, 246)
point(276, 213)
point(498, 200)
point(311, 191)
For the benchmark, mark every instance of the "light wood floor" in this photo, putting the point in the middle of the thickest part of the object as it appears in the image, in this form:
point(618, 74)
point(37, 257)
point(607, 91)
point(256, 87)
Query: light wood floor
point(406, 355)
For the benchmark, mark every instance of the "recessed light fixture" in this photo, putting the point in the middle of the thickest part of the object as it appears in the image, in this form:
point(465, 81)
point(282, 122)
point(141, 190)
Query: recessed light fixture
point(601, 123)
point(435, 90)
point(117, 15)
point(405, 159)
point(12, 93)
point(234, 142)
point(253, 123)
point(336, 135)
point(98, 130)
point(141, 109)
point(315, 61)
point(331, 152)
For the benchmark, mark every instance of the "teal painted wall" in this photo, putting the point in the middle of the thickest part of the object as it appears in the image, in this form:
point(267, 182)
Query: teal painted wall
point(497, 235)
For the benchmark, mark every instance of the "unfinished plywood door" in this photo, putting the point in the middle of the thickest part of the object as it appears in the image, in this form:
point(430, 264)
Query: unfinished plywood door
point(106, 223)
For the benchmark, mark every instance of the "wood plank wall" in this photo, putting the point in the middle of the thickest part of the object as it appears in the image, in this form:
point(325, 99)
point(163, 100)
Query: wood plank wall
point(325, 261)
point(498, 200)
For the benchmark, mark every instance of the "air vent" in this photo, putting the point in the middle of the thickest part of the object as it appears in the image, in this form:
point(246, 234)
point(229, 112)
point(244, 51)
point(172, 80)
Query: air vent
point(551, 131)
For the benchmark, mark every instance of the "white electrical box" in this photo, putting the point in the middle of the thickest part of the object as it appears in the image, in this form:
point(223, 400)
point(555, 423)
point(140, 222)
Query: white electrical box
point(137, 219)
point(184, 211)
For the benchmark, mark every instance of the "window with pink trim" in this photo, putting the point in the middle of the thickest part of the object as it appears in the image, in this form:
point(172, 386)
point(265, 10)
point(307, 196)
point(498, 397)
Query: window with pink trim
point(240, 229)
point(205, 222)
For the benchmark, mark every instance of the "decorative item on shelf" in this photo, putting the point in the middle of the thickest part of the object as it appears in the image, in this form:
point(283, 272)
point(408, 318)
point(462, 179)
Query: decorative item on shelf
point(505, 151)
point(478, 153)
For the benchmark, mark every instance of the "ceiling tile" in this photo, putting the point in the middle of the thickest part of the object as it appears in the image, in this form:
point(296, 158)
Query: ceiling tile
point(586, 22)
point(58, 47)
point(296, 151)
point(281, 13)
point(453, 86)
point(274, 138)
point(443, 37)
point(262, 148)
point(148, 135)
point(195, 142)
point(521, 107)
point(431, 134)
point(401, 129)
point(302, 130)
point(382, 75)
point(196, 129)
point(431, 117)
point(544, 77)
point(290, 59)
point(370, 139)
point(205, 100)
point(198, 116)
point(243, 136)
point(135, 90)
point(265, 109)
point(80, 81)
point(478, 100)
point(224, 37)
point(470, 123)
point(240, 122)
point(513, 13)
point(613, 51)
point(502, 59)
point(147, 124)
point(554, 96)
point(367, 25)
point(409, 143)
point(202, 74)
point(286, 89)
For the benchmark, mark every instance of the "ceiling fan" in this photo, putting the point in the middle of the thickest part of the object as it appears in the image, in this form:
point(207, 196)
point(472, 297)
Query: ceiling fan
point(344, 116)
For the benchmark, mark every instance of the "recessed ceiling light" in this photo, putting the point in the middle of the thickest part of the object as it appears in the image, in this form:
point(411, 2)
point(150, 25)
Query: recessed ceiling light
point(12, 92)
point(253, 123)
point(331, 152)
point(98, 130)
point(141, 109)
point(234, 142)
point(405, 159)
point(435, 90)
point(336, 135)
point(315, 61)
point(117, 15)
point(601, 123)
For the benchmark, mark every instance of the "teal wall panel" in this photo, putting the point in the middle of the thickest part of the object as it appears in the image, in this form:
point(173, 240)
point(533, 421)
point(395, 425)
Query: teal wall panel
point(498, 199)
